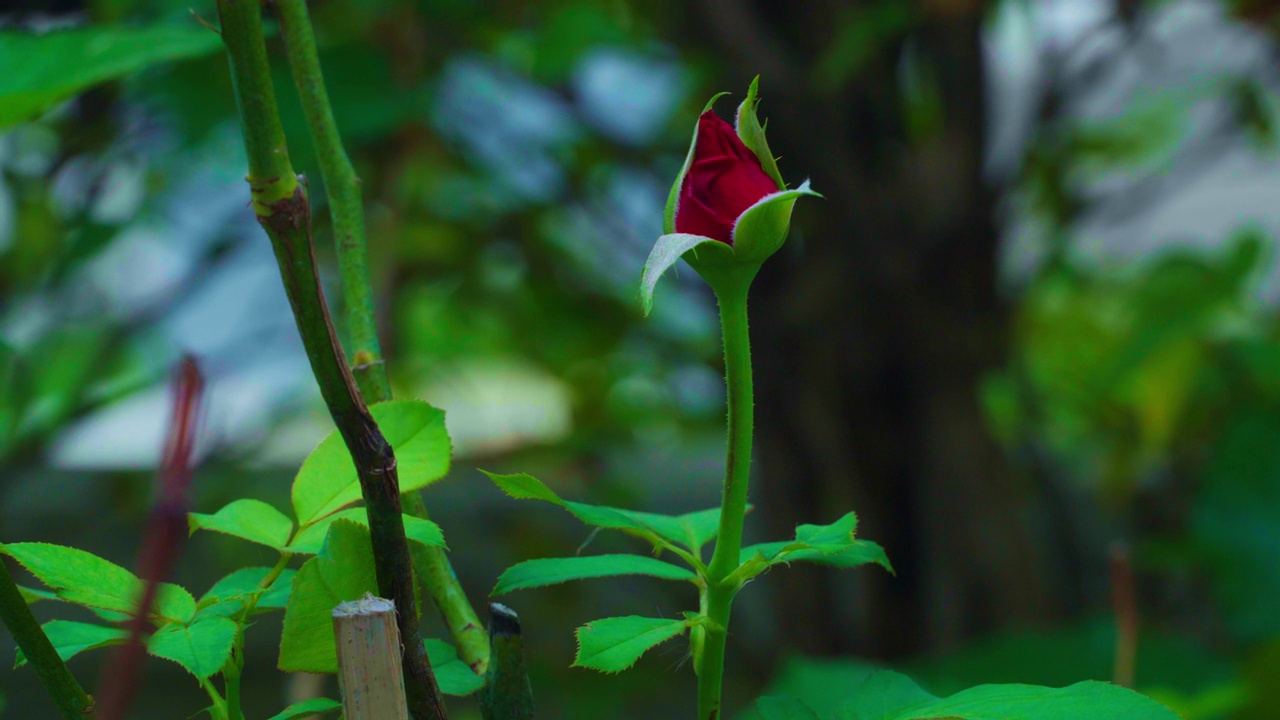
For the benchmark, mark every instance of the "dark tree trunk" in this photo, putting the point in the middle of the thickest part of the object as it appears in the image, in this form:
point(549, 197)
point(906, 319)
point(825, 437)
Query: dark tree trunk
point(872, 333)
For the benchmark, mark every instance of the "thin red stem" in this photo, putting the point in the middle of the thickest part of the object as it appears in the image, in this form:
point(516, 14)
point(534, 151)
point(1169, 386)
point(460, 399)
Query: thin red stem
point(162, 543)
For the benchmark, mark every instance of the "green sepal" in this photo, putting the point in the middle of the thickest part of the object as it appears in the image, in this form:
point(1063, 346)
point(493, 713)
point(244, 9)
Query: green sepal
point(751, 132)
point(758, 233)
point(762, 228)
point(673, 197)
point(666, 252)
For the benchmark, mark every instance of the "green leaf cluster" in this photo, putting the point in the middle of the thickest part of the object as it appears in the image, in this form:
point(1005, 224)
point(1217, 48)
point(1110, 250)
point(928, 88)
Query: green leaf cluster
point(615, 644)
point(199, 641)
point(202, 635)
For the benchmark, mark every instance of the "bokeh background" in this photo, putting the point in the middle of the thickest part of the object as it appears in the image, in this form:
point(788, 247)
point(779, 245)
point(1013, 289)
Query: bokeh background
point(1033, 322)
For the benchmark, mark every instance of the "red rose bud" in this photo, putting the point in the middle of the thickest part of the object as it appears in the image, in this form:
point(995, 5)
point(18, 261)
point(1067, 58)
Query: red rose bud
point(724, 180)
point(728, 209)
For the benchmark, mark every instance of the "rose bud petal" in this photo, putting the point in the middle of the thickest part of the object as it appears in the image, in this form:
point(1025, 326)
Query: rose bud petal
point(724, 179)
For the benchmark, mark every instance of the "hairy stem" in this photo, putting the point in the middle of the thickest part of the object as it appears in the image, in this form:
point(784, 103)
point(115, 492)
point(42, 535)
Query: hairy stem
point(271, 177)
point(375, 462)
point(287, 221)
point(345, 206)
point(347, 212)
point(218, 706)
point(231, 679)
point(732, 297)
point(72, 701)
point(442, 585)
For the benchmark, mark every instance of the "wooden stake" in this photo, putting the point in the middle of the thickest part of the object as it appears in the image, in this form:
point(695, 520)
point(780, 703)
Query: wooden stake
point(369, 667)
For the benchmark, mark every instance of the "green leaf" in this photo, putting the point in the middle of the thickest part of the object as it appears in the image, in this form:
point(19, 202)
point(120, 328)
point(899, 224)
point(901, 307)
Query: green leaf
point(201, 647)
point(85, 579)
point(690, 530)
point(551, 571)
point(614, 644)
point(783, 707)
point(831, 537)
point(453, 675)
point(71, 638)
point(821, 683)
point(859, 552)
point(762, 228)
point(44, 70)
point(307, 707)
point(417, 529)
point(227, 596)
point(327, 481)
point(703, 526)
point(883, 694)
point(886, 695)
point(251, 520)
point(342, 571)
point(752, 134)
point(666, 252)
point(832, 544)
point(524, 486)
point(34, 595)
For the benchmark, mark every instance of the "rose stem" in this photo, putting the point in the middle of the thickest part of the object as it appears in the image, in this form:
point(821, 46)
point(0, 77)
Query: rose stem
point(731, 293)
point(72, 701)
point(369, 368)
point(281, 205)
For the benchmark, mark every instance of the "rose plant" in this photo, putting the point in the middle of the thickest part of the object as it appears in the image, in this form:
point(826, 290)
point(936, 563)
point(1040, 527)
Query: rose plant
point(728, 211)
